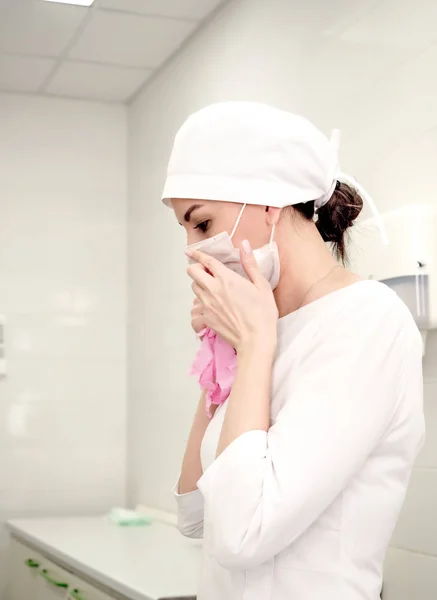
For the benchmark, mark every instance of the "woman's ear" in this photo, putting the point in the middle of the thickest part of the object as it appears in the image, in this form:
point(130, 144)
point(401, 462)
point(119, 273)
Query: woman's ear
point(272, 215)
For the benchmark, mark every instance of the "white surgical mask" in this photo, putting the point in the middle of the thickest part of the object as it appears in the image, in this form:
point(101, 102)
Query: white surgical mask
point(222, 249)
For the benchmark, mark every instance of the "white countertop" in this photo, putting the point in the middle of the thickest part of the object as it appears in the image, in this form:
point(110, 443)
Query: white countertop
point(142, 563)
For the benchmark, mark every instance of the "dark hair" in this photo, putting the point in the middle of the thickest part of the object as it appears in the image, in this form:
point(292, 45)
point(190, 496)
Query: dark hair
point(335, 217)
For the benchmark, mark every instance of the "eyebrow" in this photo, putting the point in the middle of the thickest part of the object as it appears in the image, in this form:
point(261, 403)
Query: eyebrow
point(187, 215)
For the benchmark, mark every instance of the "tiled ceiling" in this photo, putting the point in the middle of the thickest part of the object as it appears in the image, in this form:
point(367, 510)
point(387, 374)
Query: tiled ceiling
point(106, 52)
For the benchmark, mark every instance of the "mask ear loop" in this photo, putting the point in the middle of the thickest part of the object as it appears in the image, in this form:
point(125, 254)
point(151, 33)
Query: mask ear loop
point(238, 221)
point(272, 235)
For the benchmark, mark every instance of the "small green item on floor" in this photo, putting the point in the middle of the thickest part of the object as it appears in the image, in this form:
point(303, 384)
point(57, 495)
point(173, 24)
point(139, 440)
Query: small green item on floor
point(128, 518)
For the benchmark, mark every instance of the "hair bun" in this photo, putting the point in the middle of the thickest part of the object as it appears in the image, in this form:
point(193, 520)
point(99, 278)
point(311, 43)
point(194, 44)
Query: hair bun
point(338, 215)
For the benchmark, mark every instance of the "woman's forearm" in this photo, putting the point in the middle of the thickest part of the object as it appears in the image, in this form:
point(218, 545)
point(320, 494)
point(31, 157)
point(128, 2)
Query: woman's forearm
point(249, 403)
point(191, 466)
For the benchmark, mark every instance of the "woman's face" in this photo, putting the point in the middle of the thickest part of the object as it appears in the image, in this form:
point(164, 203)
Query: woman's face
point(203, 219)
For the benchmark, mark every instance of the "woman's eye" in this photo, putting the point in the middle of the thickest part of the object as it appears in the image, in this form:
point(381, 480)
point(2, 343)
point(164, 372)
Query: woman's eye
point(203, 226)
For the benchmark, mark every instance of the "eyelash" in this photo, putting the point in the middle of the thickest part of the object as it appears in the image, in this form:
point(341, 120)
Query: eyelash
point(203, 226)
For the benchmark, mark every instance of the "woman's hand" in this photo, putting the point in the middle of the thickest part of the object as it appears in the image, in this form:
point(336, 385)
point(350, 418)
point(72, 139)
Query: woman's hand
point(241, 311)
point(197, 318)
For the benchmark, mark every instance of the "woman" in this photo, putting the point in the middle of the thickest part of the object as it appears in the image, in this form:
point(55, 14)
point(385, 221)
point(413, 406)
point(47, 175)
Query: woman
point(297, 481)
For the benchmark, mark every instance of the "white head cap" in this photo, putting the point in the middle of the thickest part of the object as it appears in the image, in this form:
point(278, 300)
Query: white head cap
point(250, 153)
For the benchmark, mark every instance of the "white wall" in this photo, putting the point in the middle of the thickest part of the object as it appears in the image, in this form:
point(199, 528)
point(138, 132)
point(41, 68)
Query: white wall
point(63, 292)
point(366, 67)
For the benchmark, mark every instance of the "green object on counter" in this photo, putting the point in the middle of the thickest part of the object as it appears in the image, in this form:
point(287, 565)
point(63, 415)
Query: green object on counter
point(128, 518)
point(52, 580)
point(77, 595)
point(33, 564)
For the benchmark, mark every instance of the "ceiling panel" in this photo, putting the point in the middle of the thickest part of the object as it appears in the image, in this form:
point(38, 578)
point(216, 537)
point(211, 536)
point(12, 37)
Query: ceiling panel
point(97, 82)
point(186, 9)
point(36, 27)
point(23, 74)
point(123, 39)
point(105, 52)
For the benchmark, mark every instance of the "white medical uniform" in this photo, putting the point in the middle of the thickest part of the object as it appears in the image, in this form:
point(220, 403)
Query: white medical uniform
point(306, 510)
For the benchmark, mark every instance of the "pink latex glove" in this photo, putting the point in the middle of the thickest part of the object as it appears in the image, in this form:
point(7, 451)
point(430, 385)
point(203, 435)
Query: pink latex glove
point(215, 366)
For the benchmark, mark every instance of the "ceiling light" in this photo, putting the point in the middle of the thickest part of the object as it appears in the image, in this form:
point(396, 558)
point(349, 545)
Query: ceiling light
point(75, 2)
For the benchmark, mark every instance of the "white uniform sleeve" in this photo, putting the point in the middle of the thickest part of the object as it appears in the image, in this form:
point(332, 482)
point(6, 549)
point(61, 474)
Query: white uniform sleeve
point(190, 512)
point(266, 489)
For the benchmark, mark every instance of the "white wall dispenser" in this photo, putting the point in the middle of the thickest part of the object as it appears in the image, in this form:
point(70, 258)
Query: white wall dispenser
point(407, 263)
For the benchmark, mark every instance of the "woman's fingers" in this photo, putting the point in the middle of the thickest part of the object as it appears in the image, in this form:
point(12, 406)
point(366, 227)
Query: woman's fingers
point(197, 305)
point(213, 266)
point(200, 293)
point(198, 324)
point(197, 316)
point(196, 310)
point(198, 274)
point(250, 265)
